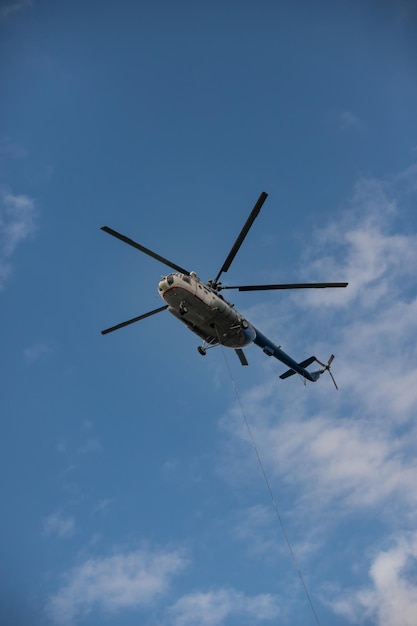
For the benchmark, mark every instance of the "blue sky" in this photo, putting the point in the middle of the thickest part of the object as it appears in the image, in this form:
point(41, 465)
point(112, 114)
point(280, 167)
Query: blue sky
point(131, 491)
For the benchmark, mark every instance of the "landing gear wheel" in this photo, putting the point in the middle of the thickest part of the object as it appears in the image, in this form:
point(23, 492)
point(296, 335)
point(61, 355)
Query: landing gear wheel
point(183, 309)
point(245, 324)
point(202, 350)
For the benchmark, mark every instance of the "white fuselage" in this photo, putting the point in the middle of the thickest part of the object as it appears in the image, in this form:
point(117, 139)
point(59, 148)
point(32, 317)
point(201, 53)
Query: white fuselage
point(204, 311)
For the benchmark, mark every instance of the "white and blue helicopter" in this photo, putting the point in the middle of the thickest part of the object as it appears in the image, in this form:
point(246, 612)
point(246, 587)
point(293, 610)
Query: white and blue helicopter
point(206, 313)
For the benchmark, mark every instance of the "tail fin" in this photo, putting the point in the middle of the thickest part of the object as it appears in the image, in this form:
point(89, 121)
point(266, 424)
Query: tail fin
point(303, 364)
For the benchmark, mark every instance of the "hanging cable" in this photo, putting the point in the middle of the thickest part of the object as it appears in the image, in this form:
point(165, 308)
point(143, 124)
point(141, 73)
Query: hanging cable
point(268, 486)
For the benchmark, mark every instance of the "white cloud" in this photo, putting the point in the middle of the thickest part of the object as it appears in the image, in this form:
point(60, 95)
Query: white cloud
point(408, 178)
point(112, 583)
point(13, 149)
point(351, 454)
point(360, 247)
point(17, 222)
point(36, 352)
point(91, 445)
point(212, 608)
point(391, 598)
point(377, 313)
point(380, 360)
point(13, 7)
point(103, 505)
point(349, 120)
point(255, 528)
point(57, 524)
point(347, 463)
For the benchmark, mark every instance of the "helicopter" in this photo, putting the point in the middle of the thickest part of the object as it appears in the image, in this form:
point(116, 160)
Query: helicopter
point(203, 309)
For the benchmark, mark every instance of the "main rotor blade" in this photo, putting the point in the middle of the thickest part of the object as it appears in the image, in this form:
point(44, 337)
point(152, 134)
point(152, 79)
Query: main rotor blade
point(283, 286)
point(133, 320)
point(158, 257)
point(253, 215)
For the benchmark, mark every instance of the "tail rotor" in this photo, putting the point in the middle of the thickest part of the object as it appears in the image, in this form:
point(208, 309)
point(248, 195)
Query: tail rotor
point(326, 368)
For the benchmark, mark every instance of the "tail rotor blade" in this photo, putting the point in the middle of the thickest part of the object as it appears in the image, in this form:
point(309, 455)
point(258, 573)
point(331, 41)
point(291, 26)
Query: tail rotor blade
point(334, 382)
point(326, 368)
point(133, 320)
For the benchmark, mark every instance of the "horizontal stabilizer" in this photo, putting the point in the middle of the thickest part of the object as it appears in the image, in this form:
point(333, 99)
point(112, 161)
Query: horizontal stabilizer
point(305, 363)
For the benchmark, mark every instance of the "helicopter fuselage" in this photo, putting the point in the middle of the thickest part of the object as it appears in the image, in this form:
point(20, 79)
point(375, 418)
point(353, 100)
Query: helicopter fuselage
point(216, 321)
point(204, 312)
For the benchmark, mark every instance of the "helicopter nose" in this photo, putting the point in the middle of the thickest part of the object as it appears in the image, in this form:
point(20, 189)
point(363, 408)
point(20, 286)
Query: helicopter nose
point(166, 282)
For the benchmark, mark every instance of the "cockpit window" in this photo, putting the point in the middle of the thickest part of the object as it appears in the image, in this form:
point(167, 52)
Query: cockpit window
point(186, 279)
point(170, 279)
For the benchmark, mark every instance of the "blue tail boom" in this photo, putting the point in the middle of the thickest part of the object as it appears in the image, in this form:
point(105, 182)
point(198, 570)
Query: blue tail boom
point(295, 368)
